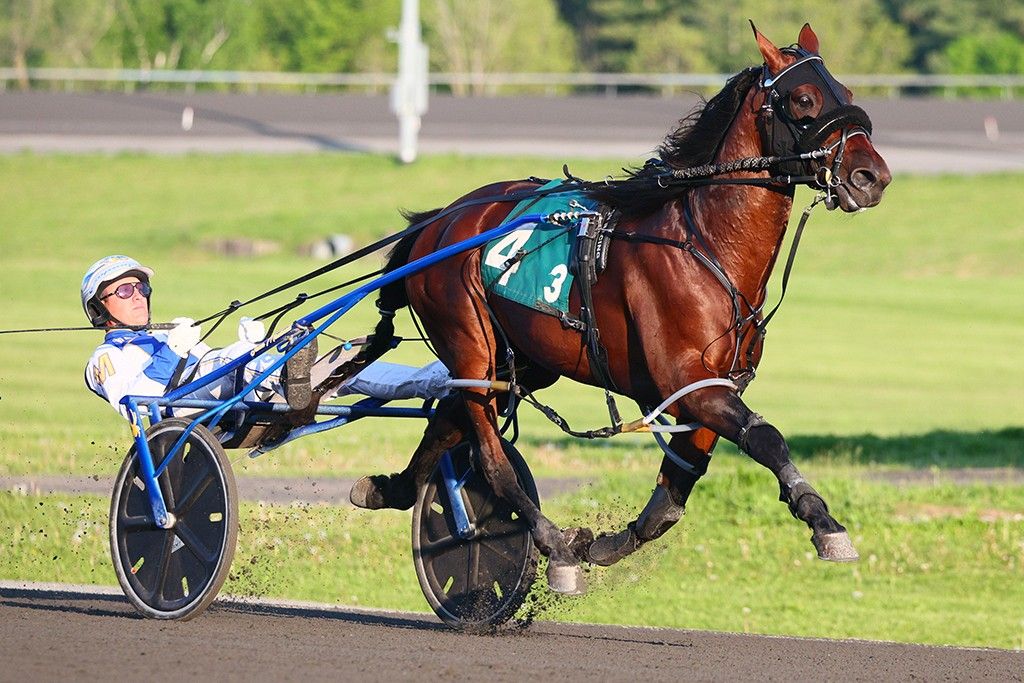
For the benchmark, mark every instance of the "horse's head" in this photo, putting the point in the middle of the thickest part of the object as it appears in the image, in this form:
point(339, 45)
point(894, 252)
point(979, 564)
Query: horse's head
point(803, 108)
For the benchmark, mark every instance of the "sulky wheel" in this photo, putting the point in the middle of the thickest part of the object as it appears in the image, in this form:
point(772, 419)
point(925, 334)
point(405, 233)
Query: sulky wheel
point(175, 573)
point(474, 583)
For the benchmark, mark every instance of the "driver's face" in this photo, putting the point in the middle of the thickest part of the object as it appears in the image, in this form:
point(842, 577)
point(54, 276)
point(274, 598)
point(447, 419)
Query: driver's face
point(133, 310)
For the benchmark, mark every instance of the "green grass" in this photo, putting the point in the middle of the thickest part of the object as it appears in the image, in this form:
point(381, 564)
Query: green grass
point(903, 320)
point(898, 347)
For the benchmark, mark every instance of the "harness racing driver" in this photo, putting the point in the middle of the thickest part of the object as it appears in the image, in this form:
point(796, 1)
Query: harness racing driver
point(116, 294)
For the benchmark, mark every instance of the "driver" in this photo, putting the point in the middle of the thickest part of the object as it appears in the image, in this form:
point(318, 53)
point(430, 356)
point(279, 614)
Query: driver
point(116, 294)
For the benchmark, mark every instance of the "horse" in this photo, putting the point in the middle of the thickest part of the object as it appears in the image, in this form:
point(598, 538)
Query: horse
point(704, 249)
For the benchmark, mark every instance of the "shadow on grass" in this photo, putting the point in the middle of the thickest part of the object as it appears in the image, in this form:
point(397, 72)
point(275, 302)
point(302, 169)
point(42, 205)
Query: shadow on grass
point(940, 448)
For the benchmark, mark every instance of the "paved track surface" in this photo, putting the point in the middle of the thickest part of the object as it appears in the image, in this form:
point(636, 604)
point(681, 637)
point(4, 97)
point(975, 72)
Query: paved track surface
point(59, 632)
point(915, 135)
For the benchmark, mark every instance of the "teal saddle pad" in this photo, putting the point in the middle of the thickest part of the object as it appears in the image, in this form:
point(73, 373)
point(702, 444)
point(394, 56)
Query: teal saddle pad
point(541, 279)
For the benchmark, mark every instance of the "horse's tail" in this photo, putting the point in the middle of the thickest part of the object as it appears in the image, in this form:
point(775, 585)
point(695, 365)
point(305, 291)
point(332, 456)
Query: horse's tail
point(392, 296)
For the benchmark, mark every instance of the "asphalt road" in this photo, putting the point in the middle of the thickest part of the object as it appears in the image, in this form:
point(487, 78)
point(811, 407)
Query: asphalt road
point(76, 633)
point(915, 135)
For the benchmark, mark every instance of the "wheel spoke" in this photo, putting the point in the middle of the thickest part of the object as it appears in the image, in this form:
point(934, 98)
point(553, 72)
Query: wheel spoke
point(502, 551)
point(164, 567)
point(473, 566)
point(440, 545)
point(130, 523)
point(194, 544)
point(189, 499)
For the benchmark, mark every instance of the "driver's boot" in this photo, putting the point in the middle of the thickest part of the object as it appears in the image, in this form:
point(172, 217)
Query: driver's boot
point(298, 389)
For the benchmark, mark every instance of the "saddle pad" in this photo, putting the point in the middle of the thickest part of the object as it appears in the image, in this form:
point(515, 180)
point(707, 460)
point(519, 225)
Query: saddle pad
point(542, 279)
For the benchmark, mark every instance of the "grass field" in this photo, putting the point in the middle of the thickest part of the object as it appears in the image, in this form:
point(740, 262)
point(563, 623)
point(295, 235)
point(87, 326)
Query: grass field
point(899, 347)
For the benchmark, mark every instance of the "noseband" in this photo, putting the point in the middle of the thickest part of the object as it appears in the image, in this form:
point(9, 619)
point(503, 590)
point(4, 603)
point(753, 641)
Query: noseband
point(782, 134)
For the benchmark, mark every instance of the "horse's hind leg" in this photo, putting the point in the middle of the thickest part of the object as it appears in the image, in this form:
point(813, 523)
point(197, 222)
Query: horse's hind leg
point(564, 573)
point(398, 491)
point(723, 411)
point(448, 427)
point(668, 501)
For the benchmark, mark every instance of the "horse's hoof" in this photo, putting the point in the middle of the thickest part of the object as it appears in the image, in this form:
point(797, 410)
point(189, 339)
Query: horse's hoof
point(835, 547)
point(608, 549)
point(578, 539)
point(566, 579)
point(371, 493)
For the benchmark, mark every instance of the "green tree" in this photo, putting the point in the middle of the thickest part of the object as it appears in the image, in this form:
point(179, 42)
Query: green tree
point(936, 24)
point(23, 26)
point(326, 35)
point(669, 46)
point(857, 36)
point(488, 36)
point(996, 53)
point(169, 34)
point(628, 35)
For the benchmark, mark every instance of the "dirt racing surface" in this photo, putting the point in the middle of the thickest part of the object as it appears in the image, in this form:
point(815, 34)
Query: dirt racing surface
point(52, 632)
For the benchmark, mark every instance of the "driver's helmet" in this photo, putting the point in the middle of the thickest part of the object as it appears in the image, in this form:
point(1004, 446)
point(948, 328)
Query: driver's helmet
point(99, 274)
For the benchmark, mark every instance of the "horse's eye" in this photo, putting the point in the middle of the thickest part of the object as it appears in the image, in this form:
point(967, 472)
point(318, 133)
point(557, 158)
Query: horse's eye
point(805, 101)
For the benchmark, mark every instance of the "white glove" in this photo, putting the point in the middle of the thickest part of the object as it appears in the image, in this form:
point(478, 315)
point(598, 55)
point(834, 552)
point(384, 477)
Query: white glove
point(251, 331)
point(184, 336)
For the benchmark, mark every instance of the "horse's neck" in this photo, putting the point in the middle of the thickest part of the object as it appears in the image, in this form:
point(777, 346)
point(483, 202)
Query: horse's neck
point(743, 225)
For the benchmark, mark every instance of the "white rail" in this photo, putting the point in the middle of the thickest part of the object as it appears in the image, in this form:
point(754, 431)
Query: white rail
point(488, 82)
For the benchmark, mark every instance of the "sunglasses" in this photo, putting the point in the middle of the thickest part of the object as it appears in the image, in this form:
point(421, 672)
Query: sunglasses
point(127, 290)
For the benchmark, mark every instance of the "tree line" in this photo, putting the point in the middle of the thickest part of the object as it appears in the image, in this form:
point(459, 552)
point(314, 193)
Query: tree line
point(664, 36)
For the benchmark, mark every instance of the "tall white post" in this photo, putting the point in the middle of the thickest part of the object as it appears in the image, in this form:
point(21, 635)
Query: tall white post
point(409, 94)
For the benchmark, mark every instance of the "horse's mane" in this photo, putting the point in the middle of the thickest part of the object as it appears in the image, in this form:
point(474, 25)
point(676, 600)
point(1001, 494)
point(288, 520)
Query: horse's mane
point(694, 142)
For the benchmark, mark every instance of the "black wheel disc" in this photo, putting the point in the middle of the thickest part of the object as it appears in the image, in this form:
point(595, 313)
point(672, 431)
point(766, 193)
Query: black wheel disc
point(175, 573)
point(476, 583)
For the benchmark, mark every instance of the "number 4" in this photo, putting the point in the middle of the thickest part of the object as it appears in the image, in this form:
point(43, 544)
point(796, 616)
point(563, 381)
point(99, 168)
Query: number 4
point(506, 248)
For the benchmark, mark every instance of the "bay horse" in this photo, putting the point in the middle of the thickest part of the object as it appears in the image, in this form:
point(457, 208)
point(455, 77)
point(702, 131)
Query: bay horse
point(666, 318)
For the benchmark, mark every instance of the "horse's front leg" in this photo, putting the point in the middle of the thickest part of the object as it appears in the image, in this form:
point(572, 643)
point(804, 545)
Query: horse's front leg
point(668, 500)
point(723, 411)
point(563, 573)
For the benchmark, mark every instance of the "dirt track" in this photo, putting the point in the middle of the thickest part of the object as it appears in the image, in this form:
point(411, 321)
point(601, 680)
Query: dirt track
point(85, 634)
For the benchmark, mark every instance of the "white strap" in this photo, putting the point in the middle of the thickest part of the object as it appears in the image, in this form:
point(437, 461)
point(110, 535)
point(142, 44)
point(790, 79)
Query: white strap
point(694, 386)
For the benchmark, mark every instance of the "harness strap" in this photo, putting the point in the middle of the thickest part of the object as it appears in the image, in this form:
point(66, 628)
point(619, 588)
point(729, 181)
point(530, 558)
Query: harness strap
point(762, 326)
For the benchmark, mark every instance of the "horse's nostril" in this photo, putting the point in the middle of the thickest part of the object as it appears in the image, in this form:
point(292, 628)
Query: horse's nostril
point(863, 179)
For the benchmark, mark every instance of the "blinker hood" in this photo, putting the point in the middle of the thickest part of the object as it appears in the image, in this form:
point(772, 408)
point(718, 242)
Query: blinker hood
point(781, 132)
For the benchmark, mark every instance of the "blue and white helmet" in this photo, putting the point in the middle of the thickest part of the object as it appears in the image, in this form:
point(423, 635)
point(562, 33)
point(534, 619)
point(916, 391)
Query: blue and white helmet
point(103, 271)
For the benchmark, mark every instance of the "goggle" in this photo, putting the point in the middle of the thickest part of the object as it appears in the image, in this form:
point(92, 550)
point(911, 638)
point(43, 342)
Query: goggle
point(127, 290)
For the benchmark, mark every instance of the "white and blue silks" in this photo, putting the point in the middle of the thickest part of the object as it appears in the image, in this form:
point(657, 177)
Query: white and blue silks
point(142, 364)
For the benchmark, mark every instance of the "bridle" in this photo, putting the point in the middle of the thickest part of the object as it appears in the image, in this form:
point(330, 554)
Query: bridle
point(784, 134)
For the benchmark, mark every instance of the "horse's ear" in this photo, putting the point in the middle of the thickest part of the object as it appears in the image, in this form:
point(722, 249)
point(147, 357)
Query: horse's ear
point(808, 40)
point(773, 57)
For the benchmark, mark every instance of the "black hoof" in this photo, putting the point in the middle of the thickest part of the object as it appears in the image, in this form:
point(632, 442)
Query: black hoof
point(608, 549)
point(378, 492)
point(578, 539)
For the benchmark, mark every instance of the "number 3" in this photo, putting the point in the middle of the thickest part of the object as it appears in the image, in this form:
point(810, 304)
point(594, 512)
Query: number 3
point(560, 272)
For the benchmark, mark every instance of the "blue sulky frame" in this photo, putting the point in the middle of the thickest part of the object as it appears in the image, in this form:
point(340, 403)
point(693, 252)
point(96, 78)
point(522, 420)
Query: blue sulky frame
point(303, 330)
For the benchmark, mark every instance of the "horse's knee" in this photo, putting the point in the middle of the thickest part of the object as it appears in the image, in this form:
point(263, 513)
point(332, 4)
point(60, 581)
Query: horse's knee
point(766, 445)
